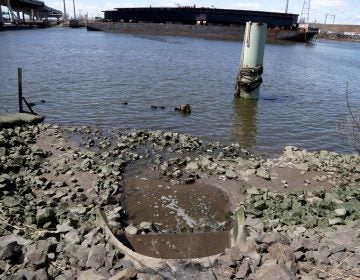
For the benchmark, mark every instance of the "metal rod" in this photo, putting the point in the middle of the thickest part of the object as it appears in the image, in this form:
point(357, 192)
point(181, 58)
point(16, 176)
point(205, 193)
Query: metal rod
point(29, 107)
point(20, 90)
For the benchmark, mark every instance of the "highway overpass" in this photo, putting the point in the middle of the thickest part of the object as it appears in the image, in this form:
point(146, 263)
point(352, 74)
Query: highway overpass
point(33, 9)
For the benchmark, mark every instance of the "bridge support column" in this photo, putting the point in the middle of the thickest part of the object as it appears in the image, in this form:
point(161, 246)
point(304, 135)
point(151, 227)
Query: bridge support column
point(23, 17)
point(32, 15)
point(249, 77)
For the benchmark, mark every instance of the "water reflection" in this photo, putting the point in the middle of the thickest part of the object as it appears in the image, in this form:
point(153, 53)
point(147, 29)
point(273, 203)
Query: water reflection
point(244, 124)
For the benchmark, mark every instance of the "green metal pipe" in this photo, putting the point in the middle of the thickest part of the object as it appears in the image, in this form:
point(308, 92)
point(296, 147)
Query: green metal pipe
point(249, 77)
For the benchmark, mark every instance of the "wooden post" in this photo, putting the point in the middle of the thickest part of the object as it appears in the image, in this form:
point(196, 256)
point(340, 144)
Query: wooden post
point(20, 90)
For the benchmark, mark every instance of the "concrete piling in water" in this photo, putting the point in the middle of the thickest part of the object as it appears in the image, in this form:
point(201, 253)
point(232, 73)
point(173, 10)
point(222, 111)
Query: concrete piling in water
point(1, 19)
point(249, 78)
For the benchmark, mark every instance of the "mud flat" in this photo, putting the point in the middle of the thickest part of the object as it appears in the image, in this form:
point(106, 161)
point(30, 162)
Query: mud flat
point(294, 216)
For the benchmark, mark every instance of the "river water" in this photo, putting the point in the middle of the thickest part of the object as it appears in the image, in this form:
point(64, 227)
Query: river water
point(85, 77)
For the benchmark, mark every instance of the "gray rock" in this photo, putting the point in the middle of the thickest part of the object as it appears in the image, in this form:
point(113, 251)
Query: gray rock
point(64, 228)
point(335, 248)
point(226, 261)
point(341, 212)
point(3, 266)
point(30, 275)
point(90, 274)
point(204, 275)
point(87, 164)
point(79, 253)
point(299, 231)
point(302, 166)
point(92, 238)
point(45, 215)
point(282, 253)
point(96, 258)
point(324, 251)
point(275, 237)
point(252, 163)
point(263, 173)
point(234, 254)
point(220, 273)
point(296, 245)
point(310, 256)
point(126, 274)
point(273, 271)
point(299, 255)
point(243, 270)
point(337, 258)
point(255, 224)
point(260, 205)
point(10, 249)
point(131, 229)
point(336, 221)
point(145, 226)
point(37, 252)
point(322, 260)
point(10, 201)
point(346, 237)
point(311, 244)
point(253, 191)
point(72, 237)
point(230, 174)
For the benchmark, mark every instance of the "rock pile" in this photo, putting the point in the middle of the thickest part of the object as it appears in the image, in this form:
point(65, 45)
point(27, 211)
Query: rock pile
point(51, 187)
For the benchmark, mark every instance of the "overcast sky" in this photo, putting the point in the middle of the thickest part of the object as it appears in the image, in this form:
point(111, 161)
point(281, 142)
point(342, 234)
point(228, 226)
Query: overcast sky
point(345, 11)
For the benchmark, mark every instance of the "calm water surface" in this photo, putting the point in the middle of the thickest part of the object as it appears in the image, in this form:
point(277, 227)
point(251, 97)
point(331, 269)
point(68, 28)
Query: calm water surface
point(84, 77)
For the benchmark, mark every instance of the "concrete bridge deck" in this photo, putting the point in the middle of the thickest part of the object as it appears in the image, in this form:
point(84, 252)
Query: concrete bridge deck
point(34, 9)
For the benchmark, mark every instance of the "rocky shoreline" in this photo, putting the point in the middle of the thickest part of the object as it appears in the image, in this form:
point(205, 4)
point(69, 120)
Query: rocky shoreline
point(338, 37)
point(302, 210)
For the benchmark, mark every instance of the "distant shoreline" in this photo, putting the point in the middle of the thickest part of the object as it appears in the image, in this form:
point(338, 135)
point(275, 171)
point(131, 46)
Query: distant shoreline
point(339, 37)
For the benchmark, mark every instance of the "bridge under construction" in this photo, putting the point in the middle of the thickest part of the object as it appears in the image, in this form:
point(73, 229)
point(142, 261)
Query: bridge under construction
point(27, 11)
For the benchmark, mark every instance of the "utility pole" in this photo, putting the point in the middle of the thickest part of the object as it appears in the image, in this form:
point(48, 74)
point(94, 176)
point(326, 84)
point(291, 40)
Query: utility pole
point(287, 6)
point(64, 17)
point(331, 16)
point(74, 9)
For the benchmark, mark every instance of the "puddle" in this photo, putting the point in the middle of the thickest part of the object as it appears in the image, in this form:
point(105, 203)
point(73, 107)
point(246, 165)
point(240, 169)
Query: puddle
point(190, 219)
point(180, 246)
point(175, 208)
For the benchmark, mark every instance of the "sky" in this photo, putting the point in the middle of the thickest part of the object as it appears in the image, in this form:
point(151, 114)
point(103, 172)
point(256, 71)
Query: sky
point(341, 11)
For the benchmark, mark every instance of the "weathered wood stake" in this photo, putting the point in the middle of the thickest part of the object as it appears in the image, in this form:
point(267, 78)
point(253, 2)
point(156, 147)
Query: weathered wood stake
point(20, 90)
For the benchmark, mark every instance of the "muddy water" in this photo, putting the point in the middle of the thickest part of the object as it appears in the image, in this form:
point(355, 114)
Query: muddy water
point(181, 246)
point(193, 217)
point(175, 208)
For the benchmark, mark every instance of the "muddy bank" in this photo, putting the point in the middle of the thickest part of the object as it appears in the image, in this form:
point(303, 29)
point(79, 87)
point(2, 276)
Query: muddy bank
point(302, 216)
